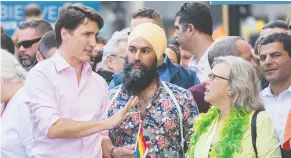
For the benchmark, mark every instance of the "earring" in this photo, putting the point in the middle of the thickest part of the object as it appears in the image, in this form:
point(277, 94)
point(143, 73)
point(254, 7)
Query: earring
point(229, 93)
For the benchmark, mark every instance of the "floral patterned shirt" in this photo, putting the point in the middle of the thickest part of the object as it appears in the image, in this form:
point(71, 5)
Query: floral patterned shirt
point(161, 120)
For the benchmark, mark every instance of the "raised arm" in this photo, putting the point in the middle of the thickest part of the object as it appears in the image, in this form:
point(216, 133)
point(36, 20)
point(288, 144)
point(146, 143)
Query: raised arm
point(66, 128)
point(46, 116)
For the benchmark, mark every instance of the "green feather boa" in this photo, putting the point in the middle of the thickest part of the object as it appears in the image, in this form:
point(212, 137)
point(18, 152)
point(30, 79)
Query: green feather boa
point(230, 136)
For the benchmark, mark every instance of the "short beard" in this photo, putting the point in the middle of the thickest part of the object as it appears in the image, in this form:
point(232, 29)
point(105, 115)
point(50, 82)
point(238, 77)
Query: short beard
point(28, 64)
point(136, 80)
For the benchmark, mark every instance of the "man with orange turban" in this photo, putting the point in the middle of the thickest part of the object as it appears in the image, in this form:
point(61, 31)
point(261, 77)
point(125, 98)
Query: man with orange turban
point(166, 70)
point(166, 110)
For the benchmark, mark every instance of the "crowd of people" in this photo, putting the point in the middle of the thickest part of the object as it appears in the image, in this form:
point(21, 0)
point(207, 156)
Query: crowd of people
point(66, 92)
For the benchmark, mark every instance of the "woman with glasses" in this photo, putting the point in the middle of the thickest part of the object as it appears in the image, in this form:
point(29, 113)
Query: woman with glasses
point(16, 127)
point(234, 125)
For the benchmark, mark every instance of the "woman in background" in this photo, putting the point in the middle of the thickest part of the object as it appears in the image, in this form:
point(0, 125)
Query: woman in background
point(173, 53)
point(225, 130)
point(16, 129)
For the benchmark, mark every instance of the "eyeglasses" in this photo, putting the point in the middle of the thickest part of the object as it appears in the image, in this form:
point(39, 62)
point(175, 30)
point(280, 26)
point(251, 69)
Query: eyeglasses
point(28, 43)
point(212, 77)
point(184, 8)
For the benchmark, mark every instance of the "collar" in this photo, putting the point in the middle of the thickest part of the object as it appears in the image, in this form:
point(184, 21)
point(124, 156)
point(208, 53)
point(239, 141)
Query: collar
point(61, 63)
point(268, 92)
point(168, 66)
point(202, 64)
point(118, 75)
point(166, 60)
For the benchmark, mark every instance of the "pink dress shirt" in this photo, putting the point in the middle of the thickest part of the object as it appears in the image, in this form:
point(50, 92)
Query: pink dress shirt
point(53, 93)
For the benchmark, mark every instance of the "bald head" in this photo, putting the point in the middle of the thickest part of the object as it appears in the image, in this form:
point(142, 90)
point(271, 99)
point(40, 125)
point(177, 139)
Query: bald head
point(230, 46)
point(225, 46)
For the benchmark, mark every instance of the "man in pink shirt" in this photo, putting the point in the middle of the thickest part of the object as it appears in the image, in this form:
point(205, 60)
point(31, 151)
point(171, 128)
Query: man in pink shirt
point(67, 100)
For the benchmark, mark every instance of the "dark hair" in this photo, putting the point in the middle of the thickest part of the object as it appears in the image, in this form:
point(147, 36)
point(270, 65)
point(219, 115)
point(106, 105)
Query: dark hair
point(41, 25)
point(7, 43)
point(47, 42)
point(100, 39)
point(278, 37)
point(198, 15)
point(149, 13)
point(32, 10)
point(176, 50)
point(276, 24)
point(72, 15)
point(97, 59)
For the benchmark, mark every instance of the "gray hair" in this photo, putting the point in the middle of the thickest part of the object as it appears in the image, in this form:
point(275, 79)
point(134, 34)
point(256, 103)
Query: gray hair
point(223, 47)
point(11, 69)
point(110, 48)
point(244, 83)
point(47, 42)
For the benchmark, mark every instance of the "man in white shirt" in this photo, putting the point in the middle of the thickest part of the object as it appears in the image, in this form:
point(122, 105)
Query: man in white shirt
point(275, 60)
point(194, 32)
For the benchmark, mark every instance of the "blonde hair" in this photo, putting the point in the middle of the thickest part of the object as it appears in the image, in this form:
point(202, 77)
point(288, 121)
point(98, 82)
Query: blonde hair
point(11, 70)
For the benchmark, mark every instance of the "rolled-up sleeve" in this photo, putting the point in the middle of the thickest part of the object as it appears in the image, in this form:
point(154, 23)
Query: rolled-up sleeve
point(41, 101)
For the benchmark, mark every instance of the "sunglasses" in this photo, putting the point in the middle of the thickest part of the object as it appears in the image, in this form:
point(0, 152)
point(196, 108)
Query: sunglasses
point(212, 77)
point(28, 43)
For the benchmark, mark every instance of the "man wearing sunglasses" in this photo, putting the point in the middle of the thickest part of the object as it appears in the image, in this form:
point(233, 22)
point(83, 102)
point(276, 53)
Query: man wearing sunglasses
point(29, 35)
point(194, 32)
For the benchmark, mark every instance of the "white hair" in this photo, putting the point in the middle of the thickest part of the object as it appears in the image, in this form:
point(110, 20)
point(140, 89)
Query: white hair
point(110, 47)
point(244, 83)
point(11, 69)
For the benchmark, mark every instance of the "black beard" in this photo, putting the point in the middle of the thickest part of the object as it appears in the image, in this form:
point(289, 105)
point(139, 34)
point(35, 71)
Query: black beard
point(30, 64)
point(136, 80)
